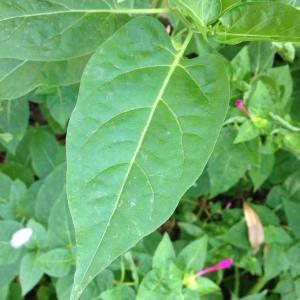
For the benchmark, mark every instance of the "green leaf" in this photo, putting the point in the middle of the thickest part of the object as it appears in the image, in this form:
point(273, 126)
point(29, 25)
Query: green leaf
point(60, 226)
point(164, 254)
point(261, 171)
point(229, 161)
point(259, 21)
point(156, 285)
point(51, 190)
point(16, 170)
point(30, 272)
point(14, 116)
point(8, 254)
point(206, 286)
point(260, 100)
point(119, 293)
point(275, 261)
point(31, 74)
point(203, 12)
point(51, 30)
point(292, 142)
point(286, 51)
point(39, 239)
point(291, 210)
point(61, 103)
point(45, 151)
point(261, 55)
point(247, 131)
point(120, 185)
point(103, 282)
point(56, 262)
point(8, 272)
point(192, 257)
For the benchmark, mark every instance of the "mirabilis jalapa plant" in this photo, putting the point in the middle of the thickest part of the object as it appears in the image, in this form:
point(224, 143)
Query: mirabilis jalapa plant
point(147, 117)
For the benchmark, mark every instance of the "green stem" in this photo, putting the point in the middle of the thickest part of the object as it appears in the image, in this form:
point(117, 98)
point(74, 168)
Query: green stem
point(258, 286)
point(122, 270)
point(236, 282)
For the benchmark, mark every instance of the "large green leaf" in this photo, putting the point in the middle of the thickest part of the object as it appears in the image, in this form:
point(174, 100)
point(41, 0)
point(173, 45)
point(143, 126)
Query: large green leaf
point(141, 133)
point(32, 74)
point(58, 30)
point(259, 21)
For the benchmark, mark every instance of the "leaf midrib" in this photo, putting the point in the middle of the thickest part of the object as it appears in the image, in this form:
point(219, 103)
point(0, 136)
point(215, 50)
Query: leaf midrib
point(91, 11)
point(155, 104)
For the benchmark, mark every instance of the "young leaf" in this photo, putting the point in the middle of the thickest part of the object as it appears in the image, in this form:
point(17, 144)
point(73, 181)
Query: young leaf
point(30, 272)
point(192, 257)
point(247, 131)
point(141, 133)
point(253, 21)
point(163, 254)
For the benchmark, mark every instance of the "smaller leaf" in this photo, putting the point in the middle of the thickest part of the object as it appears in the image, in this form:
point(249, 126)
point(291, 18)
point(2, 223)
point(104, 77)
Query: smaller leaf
point(255, 228)
point(39, 239)
point(56, 262)
point(30, 272)
point(14, 116)
point(247, 131)
point(7, 253)
point(45, 151)
point(192, 257)
point(119, 293)
point(163, 254)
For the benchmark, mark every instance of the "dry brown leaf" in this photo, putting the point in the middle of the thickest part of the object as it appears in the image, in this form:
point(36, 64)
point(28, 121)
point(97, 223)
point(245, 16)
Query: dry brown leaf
point(255, 229)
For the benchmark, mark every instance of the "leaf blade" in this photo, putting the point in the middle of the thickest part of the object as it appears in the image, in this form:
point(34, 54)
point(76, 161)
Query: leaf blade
point(127, 155)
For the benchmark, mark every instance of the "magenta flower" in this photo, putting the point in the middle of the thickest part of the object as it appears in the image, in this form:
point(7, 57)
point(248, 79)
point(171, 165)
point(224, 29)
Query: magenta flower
point(228, 205)
point(240, 105)
point(224, 264)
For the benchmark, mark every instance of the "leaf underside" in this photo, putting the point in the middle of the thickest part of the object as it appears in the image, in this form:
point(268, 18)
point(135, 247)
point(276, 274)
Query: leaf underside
point(141, 133)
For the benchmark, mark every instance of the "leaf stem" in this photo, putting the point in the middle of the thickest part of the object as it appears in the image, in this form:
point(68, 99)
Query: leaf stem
point(236, 281)
point(258, 286)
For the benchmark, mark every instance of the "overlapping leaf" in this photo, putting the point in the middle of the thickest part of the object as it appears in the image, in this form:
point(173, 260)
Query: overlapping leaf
point(144, 126)
point(260, 21)
point(19, 77)
point(58, 30)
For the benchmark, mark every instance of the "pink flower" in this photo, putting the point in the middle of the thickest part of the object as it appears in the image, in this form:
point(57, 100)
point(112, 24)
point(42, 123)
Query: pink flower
point(224, 264)
point(228, 205)
point(240, 105)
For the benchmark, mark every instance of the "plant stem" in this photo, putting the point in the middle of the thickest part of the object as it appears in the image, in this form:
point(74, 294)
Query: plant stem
point(236, 281)
point(122, 267)
point(258, 286)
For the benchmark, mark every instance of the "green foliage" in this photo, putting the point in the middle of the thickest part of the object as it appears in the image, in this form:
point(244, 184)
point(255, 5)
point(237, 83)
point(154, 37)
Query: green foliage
point(113, 125)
